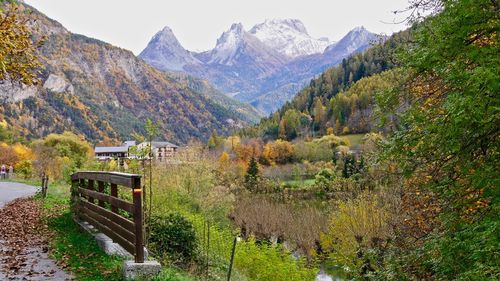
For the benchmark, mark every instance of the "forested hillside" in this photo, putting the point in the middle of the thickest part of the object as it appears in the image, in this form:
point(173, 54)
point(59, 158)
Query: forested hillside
point(104, 92)
point(341, 99)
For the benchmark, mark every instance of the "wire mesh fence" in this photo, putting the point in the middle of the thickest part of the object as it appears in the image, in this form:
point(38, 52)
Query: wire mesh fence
point(218, 248)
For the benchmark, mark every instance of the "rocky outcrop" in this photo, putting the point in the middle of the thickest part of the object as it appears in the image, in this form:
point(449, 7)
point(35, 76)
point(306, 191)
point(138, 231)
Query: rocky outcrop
point(58, 84)
point(13, 92)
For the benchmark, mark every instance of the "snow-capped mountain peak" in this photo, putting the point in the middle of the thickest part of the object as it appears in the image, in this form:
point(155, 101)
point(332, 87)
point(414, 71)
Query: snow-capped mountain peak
point(165, 52)
point(289, 37)
point(227, 45)
point(166, 35)
point(231, 37)
point(263, 66)
point(292, 23)
point(358, 29)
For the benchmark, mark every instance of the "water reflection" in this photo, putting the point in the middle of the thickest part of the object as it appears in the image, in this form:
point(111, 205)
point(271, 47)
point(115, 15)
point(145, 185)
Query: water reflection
point(332, 274)
point(323, 276)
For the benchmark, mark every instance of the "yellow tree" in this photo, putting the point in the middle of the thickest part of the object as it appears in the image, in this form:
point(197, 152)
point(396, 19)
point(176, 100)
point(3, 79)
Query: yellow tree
point(319, 113)
point(18, 60)
point(357, 225)
point(279, 152)
point(23, 152)
point(223, 161)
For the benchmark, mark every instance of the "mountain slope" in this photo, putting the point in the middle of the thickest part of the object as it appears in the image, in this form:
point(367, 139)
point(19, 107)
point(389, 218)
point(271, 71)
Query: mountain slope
point(342, 97)
point(240, 110)
point(264, 66)
point(297, 73)
point(101, 91)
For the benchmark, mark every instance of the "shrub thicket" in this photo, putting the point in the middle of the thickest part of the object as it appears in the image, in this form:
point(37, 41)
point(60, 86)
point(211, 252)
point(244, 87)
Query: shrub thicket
point(173, 238)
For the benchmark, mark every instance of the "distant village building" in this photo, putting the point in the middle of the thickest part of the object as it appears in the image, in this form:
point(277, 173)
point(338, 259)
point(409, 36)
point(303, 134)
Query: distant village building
point(113, 152)
point(161, 150)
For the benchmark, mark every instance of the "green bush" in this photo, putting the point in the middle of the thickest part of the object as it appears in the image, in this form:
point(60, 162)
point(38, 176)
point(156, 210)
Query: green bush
point(24, 168)
point(313, 151)
point(265, 262)
point(323, 179)
point(173, 238)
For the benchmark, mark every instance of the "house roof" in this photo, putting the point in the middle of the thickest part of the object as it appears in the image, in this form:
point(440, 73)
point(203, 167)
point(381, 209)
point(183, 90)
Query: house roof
point(163, 144)
point(129, 143)
point(110, 149)
point(157, 144)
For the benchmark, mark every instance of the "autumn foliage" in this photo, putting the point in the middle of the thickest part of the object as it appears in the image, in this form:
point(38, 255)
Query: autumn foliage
point(17, 52)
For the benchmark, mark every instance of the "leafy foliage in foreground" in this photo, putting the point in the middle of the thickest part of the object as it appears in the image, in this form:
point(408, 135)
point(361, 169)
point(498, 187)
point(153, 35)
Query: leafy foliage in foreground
point(171, 274)
point(448, 143)
point(255, 260)
point(204, 195)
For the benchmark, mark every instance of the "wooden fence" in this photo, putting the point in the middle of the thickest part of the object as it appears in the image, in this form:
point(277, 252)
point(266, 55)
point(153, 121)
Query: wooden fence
point(95, 200)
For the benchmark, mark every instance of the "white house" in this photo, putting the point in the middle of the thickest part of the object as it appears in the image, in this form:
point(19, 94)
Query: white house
point(161, 149)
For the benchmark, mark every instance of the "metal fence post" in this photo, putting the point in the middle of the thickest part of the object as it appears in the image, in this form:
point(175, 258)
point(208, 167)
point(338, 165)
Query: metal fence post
point(208, 248)
point(232, 258)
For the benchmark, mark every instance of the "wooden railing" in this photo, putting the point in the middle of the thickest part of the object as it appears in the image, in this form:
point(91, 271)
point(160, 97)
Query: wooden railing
point(92, 203)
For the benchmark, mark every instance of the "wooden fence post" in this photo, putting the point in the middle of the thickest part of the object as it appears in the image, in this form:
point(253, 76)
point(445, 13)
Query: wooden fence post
point(74, 196)
point(43, 184)
point(100, 188)
point(114, 193)
point(46, 186)
point(90, 185)
point(139, 233)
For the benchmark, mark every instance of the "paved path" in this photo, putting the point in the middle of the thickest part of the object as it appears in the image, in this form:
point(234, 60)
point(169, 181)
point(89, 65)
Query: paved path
point(13, 190)
point(34, 263)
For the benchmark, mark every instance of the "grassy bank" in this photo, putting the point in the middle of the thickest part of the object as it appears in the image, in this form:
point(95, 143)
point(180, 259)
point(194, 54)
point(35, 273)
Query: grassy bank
point(73, 249)
point(76, 251)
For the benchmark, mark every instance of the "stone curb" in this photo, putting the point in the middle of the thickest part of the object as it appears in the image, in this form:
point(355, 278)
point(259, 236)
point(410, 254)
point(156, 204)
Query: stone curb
point(131, 270)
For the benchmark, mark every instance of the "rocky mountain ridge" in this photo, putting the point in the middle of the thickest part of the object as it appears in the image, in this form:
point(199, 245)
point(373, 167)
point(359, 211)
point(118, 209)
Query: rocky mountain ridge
point(264, 66)
point(104, 92)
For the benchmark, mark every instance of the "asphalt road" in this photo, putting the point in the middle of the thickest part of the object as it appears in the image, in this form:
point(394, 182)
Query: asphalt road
point(13, 190)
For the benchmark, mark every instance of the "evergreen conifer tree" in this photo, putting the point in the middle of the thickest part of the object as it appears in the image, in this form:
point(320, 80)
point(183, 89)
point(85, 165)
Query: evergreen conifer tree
point(252, 176)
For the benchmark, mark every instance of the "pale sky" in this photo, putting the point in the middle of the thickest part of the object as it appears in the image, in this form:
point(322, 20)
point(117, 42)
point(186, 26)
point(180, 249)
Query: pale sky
point(198, 23)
